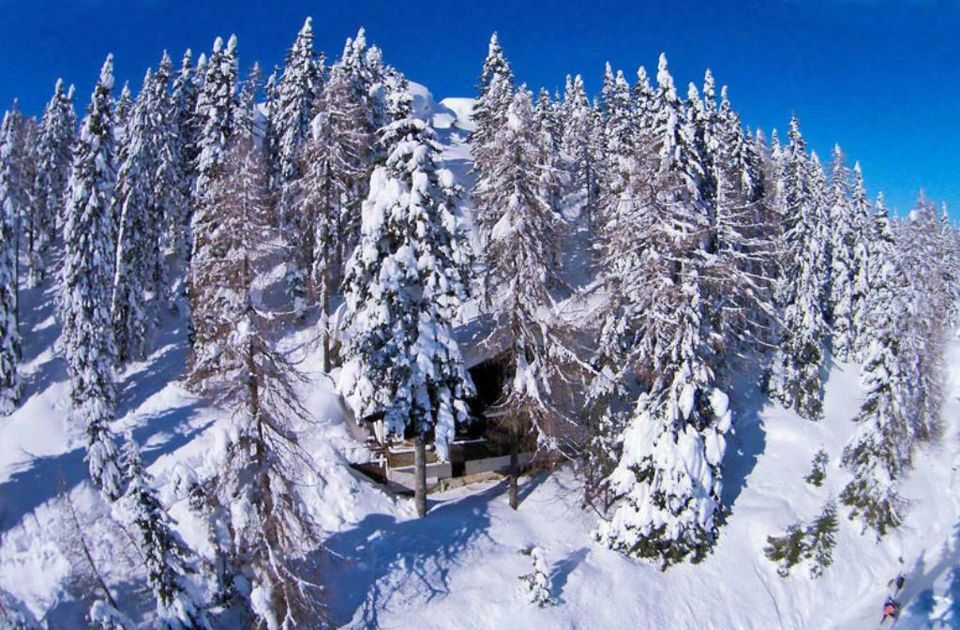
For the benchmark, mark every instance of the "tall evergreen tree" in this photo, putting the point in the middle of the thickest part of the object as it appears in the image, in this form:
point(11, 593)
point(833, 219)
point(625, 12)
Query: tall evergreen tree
point(580, 134)
point(335, 159)
point(271, 139)
point(795, 377)
point(132, 201)
point(862, 220)
point(489, 111)
point(169, 189)
point(165, 555)
point(920, 260)
point(257, 489)
point(184, 119)
point(620, 141)
point(296, 96)
point(146, 189)
point(16, 132)
point(521, 229)
point(28, 229)
point(121, 114)
point(843, 231)
point(55, 143)
point(404, 284)
point(362, 68)
point(217, 121)
point(738, 280)
point(880, 450)
point(373, 86)
point(667, 481)
point(87, 338)
point(11, 386)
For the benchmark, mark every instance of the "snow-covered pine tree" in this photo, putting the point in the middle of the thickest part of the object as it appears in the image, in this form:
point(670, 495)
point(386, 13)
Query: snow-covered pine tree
point(246, 119)
point(795, 378)
point(843, 231)
point(296, 96)
point(707, 137)
point(361, 67)
point(668, 478)
point(548, 118)
point(821, 535)
point(165, 555)
point(643, 101)
point(702, 120)
point(373, 86)
point(215, 111)
point(404, 284)
point(335, 162)
point(920, 260)
point(949, 245)
point(54, 146)
point(580, 134)
point(667, 481)
point(490, 109)
point(216, 120)
point(257, 487)
point(813, 543)
point(169, 188)
point(620, 142)
point(18, 191)
point(520, 256)
point(87, 337)
point(185, 124)
point(863, 234)
point(820, 193)
point(535, 586)
point(25, 160)
point(625, 189)
point(786, 550)
point(880, 450)
point(11, 386)
point(121, 115)
point(271, 140)
point(137, 202)
point(818, 468)
point(740, 249)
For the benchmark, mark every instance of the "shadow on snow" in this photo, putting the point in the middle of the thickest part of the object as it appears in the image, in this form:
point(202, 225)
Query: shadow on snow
point(424, 550)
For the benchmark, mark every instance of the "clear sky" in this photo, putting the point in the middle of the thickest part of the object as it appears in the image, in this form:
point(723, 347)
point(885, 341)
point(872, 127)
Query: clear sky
point(880, 77)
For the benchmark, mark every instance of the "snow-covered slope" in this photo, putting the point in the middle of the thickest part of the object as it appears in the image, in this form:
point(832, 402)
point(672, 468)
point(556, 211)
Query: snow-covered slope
point(459, 567)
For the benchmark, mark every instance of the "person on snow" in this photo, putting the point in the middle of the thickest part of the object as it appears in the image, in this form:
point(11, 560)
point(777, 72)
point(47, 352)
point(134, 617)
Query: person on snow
point(898, 582)
point(890, 609)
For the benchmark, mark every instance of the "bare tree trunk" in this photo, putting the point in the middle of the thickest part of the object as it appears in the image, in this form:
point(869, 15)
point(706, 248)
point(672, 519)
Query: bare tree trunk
point(325, 318)
point(16, 276)
point(514, 472)
point(420, 474)
point(88, 556)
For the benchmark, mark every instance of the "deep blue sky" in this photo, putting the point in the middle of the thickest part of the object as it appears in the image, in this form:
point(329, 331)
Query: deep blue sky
point(881, 77)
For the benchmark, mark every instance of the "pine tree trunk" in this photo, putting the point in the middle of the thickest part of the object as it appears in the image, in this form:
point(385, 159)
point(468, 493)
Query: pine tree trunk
point(420, 474)
point(16, 278)
point(514, 472)
point(325, 319)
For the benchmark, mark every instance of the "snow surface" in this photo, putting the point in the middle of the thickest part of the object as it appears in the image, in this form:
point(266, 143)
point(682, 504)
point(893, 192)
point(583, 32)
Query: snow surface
point(459, 567)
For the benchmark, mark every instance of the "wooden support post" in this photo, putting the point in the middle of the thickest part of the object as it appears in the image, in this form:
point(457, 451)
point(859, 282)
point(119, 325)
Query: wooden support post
point(514, 472)
point(420, 474)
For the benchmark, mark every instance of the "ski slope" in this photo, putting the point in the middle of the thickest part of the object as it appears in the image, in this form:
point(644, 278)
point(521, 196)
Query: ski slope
point(459, 567)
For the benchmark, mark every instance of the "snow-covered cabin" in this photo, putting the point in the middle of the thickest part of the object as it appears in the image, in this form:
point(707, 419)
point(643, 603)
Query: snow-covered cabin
point(481, 446)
